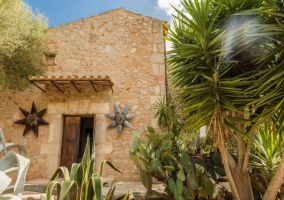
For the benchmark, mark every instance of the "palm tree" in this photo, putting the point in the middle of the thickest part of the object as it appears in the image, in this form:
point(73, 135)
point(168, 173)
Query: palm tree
point(227, 63)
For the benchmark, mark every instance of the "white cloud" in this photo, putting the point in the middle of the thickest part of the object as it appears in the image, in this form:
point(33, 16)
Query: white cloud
point(165, 5)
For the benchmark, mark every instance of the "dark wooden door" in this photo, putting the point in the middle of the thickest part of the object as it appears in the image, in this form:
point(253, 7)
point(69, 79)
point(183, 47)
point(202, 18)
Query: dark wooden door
point(70, 141)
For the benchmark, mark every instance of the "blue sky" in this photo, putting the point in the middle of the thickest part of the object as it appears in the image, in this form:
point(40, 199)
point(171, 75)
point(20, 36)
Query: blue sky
point(64, 11)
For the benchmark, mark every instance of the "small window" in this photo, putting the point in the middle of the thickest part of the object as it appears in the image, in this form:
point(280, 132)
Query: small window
point(50, 58)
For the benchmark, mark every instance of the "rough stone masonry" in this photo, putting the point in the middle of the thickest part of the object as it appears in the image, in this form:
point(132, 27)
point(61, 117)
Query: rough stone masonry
point(127, 47)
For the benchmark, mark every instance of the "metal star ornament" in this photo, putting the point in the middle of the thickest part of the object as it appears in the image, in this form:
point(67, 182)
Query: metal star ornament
point(32, 120)
point(120, 118)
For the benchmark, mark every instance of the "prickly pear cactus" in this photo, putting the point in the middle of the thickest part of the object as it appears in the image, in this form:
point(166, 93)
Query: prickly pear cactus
point(184, 178)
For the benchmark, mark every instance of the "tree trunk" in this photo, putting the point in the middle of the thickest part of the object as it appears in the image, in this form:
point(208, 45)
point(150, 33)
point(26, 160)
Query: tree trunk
point(275, 183)
point(239, 181)
point(242, 182)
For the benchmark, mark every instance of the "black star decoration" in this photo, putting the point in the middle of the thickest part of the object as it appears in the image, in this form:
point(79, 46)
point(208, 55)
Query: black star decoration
point(32, 120)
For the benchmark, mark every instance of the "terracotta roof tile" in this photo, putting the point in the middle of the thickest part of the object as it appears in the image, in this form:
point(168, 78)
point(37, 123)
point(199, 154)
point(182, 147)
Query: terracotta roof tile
point(67, 78)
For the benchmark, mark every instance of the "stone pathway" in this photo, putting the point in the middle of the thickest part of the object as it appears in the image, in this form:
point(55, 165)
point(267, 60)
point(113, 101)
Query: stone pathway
point(133, 186)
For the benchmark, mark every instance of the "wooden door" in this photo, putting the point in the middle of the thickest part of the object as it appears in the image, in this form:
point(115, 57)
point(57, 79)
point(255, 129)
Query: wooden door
point(70, 141)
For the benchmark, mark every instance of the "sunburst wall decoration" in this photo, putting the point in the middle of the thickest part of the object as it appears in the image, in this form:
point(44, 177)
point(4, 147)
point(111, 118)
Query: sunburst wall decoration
point(120, 118)
point(33, 119)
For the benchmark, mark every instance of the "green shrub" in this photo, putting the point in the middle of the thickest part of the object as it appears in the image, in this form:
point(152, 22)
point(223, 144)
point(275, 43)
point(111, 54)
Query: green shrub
point(266, 154)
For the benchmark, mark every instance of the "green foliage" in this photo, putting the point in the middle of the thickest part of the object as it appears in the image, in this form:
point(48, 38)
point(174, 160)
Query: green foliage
point(169, 114)
point(266, 154)
point(22, 37)
point(185, 177)
point(146, 180)
point(225, 60)
point(193, 142)
point(226, 63)
point(267, 151)
point(81, 183)
point(164, 113)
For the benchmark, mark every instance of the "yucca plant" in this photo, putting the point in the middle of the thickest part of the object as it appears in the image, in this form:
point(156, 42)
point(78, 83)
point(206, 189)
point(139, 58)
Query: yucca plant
point(82, 183)
point(265, 157)
point(168, 116)
point(164, 113)
point(267, 151)
point(226, 61)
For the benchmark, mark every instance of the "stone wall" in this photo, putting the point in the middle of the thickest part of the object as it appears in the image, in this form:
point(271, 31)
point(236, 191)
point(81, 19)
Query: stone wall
point(124, 45)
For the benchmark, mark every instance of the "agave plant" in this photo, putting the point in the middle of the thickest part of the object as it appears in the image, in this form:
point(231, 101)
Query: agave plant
point(12, 162)
point(81, 183)
point(5, 182)
point(7, 165)
point(5, 147)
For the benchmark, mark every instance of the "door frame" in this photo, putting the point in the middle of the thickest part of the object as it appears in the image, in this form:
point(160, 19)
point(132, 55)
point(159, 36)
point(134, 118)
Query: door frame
point(63, 127)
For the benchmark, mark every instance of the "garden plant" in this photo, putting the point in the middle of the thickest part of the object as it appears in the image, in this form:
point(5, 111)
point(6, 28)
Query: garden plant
point(184, 177)
point(226, 64)
point(81, 183)
point(22, 38)
point(9, 163)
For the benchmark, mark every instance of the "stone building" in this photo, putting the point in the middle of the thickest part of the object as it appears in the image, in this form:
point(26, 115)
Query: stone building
point(117, 57)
